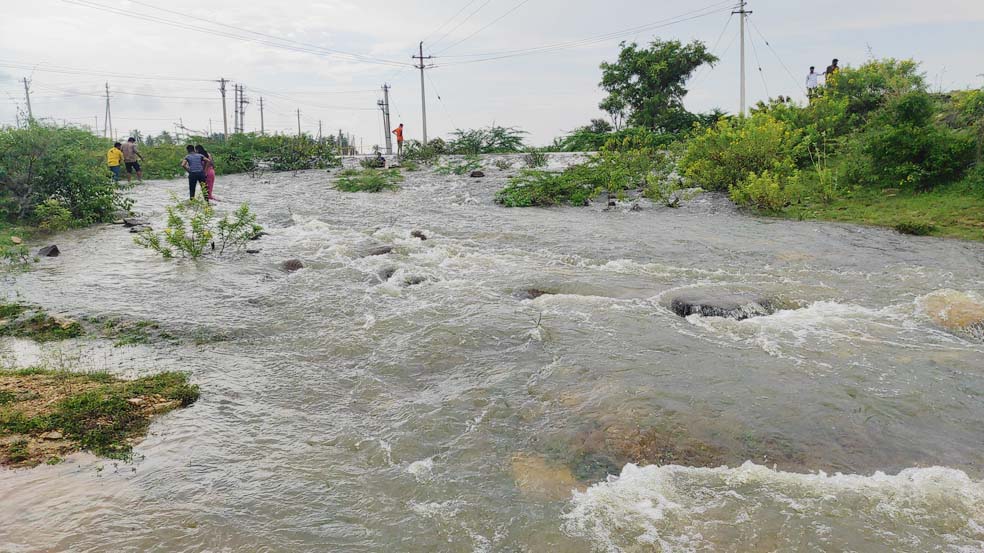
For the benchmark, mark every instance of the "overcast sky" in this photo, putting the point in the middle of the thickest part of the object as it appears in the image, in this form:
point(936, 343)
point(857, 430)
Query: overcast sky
point(546, 93)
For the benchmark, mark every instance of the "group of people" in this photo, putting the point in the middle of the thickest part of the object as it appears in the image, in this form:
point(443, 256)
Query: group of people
point(198, 164)
point(813, 78)
point(125, 155)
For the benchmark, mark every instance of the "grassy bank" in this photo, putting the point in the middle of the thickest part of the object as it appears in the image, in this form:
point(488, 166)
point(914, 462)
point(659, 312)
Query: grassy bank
point(952, 211)
point(46, 414)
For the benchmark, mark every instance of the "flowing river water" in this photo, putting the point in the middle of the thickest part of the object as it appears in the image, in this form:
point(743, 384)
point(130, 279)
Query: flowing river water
point(424, 401)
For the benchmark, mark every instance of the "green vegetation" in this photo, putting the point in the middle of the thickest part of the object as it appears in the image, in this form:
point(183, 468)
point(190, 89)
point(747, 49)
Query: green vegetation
point(61, 169)
point(460, 166)
point(193, 231)
point(489, 140)
point(25, 321)
point(646, 86)
point(47, 414)
point(534, 159)
point(368, 180)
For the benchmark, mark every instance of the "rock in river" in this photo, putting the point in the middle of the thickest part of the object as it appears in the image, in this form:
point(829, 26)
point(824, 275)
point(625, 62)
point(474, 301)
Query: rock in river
point(49, 251)
point(418, 234)
point(292, 265)
point(733, 305)
point(477, 174)
point(379, 250)
point(134, 222)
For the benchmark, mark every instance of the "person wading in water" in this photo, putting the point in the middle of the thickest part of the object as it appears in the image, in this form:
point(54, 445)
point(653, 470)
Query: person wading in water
point(194, 163)
point(209, 170)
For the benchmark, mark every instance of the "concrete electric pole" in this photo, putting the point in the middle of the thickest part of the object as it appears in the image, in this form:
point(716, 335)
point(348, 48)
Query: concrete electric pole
point(743, 13)
point(262, 127)
point(423, 92)
point(298, 122)
point(108, 117)
point(225, 118)
point(384, 105)
point(27, 96)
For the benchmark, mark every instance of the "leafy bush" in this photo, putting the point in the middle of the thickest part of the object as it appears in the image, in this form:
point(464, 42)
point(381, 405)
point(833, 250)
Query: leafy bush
point(52, 216)
point(724, 155)
point(244, 153)
point(766, 191)
point(542, 188)
point(413, 150)
point(192, 230)
point(503, 164)
point(901, 146)
point(42, 161)
point(368, 180)
point(914, 228)
point(534, 159)
point(460, 166)
point(489, 140)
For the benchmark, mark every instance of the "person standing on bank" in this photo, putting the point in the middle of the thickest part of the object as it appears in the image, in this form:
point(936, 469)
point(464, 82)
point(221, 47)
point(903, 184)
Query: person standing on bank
point(194, 164)
point(132, 159)
point(832, 69)
point(812, 83)
point(114, 157)
point(399, 141)
point(209, 170)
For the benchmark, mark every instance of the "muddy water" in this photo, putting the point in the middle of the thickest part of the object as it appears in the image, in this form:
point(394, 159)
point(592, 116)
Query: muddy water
point(346, 410)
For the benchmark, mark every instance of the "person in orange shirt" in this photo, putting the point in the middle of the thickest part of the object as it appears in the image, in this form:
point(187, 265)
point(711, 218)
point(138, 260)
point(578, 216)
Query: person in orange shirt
point(399, 141)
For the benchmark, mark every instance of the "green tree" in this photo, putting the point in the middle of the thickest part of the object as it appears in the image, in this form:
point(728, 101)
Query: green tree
point(646, 86)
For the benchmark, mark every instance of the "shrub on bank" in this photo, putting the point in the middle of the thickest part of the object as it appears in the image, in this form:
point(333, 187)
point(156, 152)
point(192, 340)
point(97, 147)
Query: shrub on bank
point(368, 180)
point(64, 164)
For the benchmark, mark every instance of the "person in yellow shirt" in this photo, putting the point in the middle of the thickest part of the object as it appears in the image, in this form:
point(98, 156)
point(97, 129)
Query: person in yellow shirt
point(114, 157)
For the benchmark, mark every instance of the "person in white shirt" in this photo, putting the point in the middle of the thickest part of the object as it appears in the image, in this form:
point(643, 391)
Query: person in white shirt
point(812, 83)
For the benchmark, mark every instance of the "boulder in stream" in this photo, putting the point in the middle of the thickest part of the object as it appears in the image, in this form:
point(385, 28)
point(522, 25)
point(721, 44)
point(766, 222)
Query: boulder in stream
point(530, 293)
point(379, 250)
point(259, 235)
point(955, 311)
point(49, 251)
point(291, 265)
point(477, 174)
point(134, 222)
point(732, 305)
point(418, 234)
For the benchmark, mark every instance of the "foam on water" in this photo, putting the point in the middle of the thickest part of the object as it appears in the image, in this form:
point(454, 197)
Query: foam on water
point(754, 508)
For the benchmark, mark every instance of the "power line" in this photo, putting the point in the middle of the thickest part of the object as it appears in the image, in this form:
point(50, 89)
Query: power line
point(462, 22)
point(449, 20)
point(493, 22)
point(778, 57)
point(260, 38)
point(490, 56)
point(759, 63)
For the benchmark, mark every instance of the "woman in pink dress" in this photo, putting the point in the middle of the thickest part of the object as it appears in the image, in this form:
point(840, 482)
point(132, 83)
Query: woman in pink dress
point(209, 170)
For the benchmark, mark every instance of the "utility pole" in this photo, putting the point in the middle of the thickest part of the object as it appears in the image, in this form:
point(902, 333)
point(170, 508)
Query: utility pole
point(341, 152)
point(743, 13)
point(27, 94)
point(235, 108)
point(108, 117)
point(243, 102)
point(423, 95)
point(262, 128)
point(319, 130)
point(384, 105)
point(225, 118)
point(298, 122)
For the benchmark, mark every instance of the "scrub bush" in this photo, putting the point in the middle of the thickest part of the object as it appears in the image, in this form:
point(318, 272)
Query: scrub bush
point(766, 191)
point(368, 180)
point(722, 156)
point(41, 162)
point(192, 230)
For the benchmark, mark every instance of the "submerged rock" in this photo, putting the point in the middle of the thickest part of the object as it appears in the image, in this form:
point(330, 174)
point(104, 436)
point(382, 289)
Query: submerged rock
point(139, 229)
point(49, 251)
point(956, 311)
point(537, 477)
point(477, 174)
point(732, 305)
point(530, 293)
point(418, 234)
point(134, 222)
point(414, 280)
point(379, 250)
point(292, 265)
point(252, 251)
point(386, 273)
point(259, 235)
